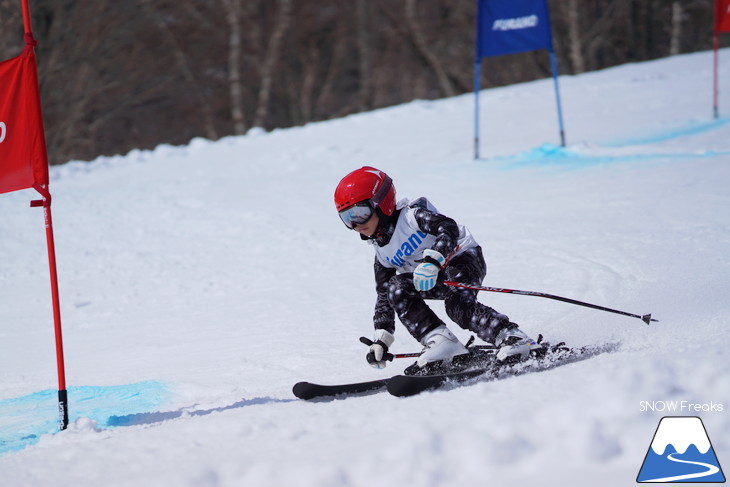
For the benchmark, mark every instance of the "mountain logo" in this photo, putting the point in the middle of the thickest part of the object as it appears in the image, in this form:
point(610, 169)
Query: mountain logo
point(680, 452)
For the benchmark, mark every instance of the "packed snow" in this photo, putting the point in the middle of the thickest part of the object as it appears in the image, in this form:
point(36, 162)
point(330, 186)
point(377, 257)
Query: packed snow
point(199, 283)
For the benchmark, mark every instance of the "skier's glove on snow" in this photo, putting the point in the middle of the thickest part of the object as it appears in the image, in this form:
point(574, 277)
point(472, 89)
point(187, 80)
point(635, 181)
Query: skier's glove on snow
point(378, 354)
point(426, 274)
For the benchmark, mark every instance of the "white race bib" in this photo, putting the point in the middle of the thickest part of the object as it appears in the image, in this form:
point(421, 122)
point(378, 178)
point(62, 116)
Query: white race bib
point(408, 242)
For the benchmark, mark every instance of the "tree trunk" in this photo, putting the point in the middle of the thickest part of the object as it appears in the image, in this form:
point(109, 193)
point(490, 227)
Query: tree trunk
point(283, 18)
point(677, 17)
point(309, 79)
point(232, 10)
point(328, 96)
point(365, 58)
point(182, 63)
point(576, 44)
point(423, 48)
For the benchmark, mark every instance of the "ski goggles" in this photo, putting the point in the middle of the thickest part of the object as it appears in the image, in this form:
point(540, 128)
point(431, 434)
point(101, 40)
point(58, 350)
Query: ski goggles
point(358, 214)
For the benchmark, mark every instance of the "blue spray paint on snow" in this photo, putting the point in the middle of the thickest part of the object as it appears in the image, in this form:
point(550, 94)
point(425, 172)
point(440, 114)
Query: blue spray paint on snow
point(579, 157)
point(25, 419)
point(549, 154)
point(693, 128)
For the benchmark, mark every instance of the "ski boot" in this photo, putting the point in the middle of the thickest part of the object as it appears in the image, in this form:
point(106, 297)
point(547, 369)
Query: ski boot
point(440, 348)
point(513, 345)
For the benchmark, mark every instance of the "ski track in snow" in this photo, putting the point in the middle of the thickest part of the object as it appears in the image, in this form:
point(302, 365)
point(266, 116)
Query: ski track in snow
point(199, 283)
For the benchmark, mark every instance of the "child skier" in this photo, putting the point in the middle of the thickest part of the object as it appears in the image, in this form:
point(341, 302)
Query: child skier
point(416, 248)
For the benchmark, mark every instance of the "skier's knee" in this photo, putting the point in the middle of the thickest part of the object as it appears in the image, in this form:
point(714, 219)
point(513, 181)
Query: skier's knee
point(460, 308)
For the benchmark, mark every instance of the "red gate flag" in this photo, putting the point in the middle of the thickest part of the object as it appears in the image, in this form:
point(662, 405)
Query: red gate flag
point(23, 156)
point(24, 164)
point(722, 15)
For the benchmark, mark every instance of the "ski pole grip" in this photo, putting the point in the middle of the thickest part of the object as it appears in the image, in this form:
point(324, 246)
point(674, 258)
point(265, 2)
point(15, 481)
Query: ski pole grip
point(386, 356)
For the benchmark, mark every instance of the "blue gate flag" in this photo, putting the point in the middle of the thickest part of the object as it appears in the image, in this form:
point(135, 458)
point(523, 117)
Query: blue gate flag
point(512, 26)
point(509, 27)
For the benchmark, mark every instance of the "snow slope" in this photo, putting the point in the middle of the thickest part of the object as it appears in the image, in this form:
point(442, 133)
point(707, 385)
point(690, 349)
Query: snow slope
point(199, 283)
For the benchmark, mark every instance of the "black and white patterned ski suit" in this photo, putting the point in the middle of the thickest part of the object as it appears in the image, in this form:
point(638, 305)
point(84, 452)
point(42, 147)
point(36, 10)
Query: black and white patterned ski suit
point(396, 293)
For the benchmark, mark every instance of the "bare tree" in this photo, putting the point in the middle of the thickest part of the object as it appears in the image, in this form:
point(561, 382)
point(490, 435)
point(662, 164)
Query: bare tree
point(365, 54)
point(181, 60)
point(232, 11)
point(598, 36)
point(114, 78)
point(11, 36)
point(271, 58)
point(572, 14)
point(328, 100)
point(308, 82)
point(424, 50)
point(677, 17)
point(73, 131)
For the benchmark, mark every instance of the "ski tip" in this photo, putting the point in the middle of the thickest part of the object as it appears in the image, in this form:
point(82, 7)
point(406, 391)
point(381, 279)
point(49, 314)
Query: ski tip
point(648, 319)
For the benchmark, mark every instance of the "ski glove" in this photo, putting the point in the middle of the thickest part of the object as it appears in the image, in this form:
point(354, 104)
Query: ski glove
point(378, 354)
point(426, 274)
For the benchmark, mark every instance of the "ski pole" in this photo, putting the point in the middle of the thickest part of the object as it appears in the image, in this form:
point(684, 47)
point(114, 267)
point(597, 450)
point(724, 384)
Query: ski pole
point(645, 318)
point(390, 356)
point(404, 355)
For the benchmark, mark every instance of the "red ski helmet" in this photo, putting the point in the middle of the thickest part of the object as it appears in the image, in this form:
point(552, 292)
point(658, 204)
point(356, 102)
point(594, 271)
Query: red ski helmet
point(366, 184)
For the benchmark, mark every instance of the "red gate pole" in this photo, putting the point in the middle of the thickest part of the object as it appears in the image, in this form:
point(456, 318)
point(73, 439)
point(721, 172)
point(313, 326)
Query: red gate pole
point(62, 394)
point(46, 204)
point(26, 16)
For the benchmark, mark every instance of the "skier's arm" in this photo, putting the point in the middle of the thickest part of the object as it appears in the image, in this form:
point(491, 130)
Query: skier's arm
point(444, 228)
point(446, 231)
point(384, 318)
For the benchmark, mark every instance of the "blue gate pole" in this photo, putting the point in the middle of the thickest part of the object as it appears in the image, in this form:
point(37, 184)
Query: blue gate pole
point(554, 67)
point(477, 71)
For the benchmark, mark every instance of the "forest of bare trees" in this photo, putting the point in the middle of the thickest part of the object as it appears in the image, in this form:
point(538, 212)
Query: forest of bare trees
point(122, 74)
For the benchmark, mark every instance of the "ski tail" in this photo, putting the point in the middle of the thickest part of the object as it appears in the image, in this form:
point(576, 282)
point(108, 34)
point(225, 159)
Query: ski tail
point(308, 390)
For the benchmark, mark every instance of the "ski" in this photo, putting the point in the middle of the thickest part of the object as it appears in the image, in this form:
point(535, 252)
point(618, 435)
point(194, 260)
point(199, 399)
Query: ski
point(410, 385)
point(309, 390)
point(480, 365)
